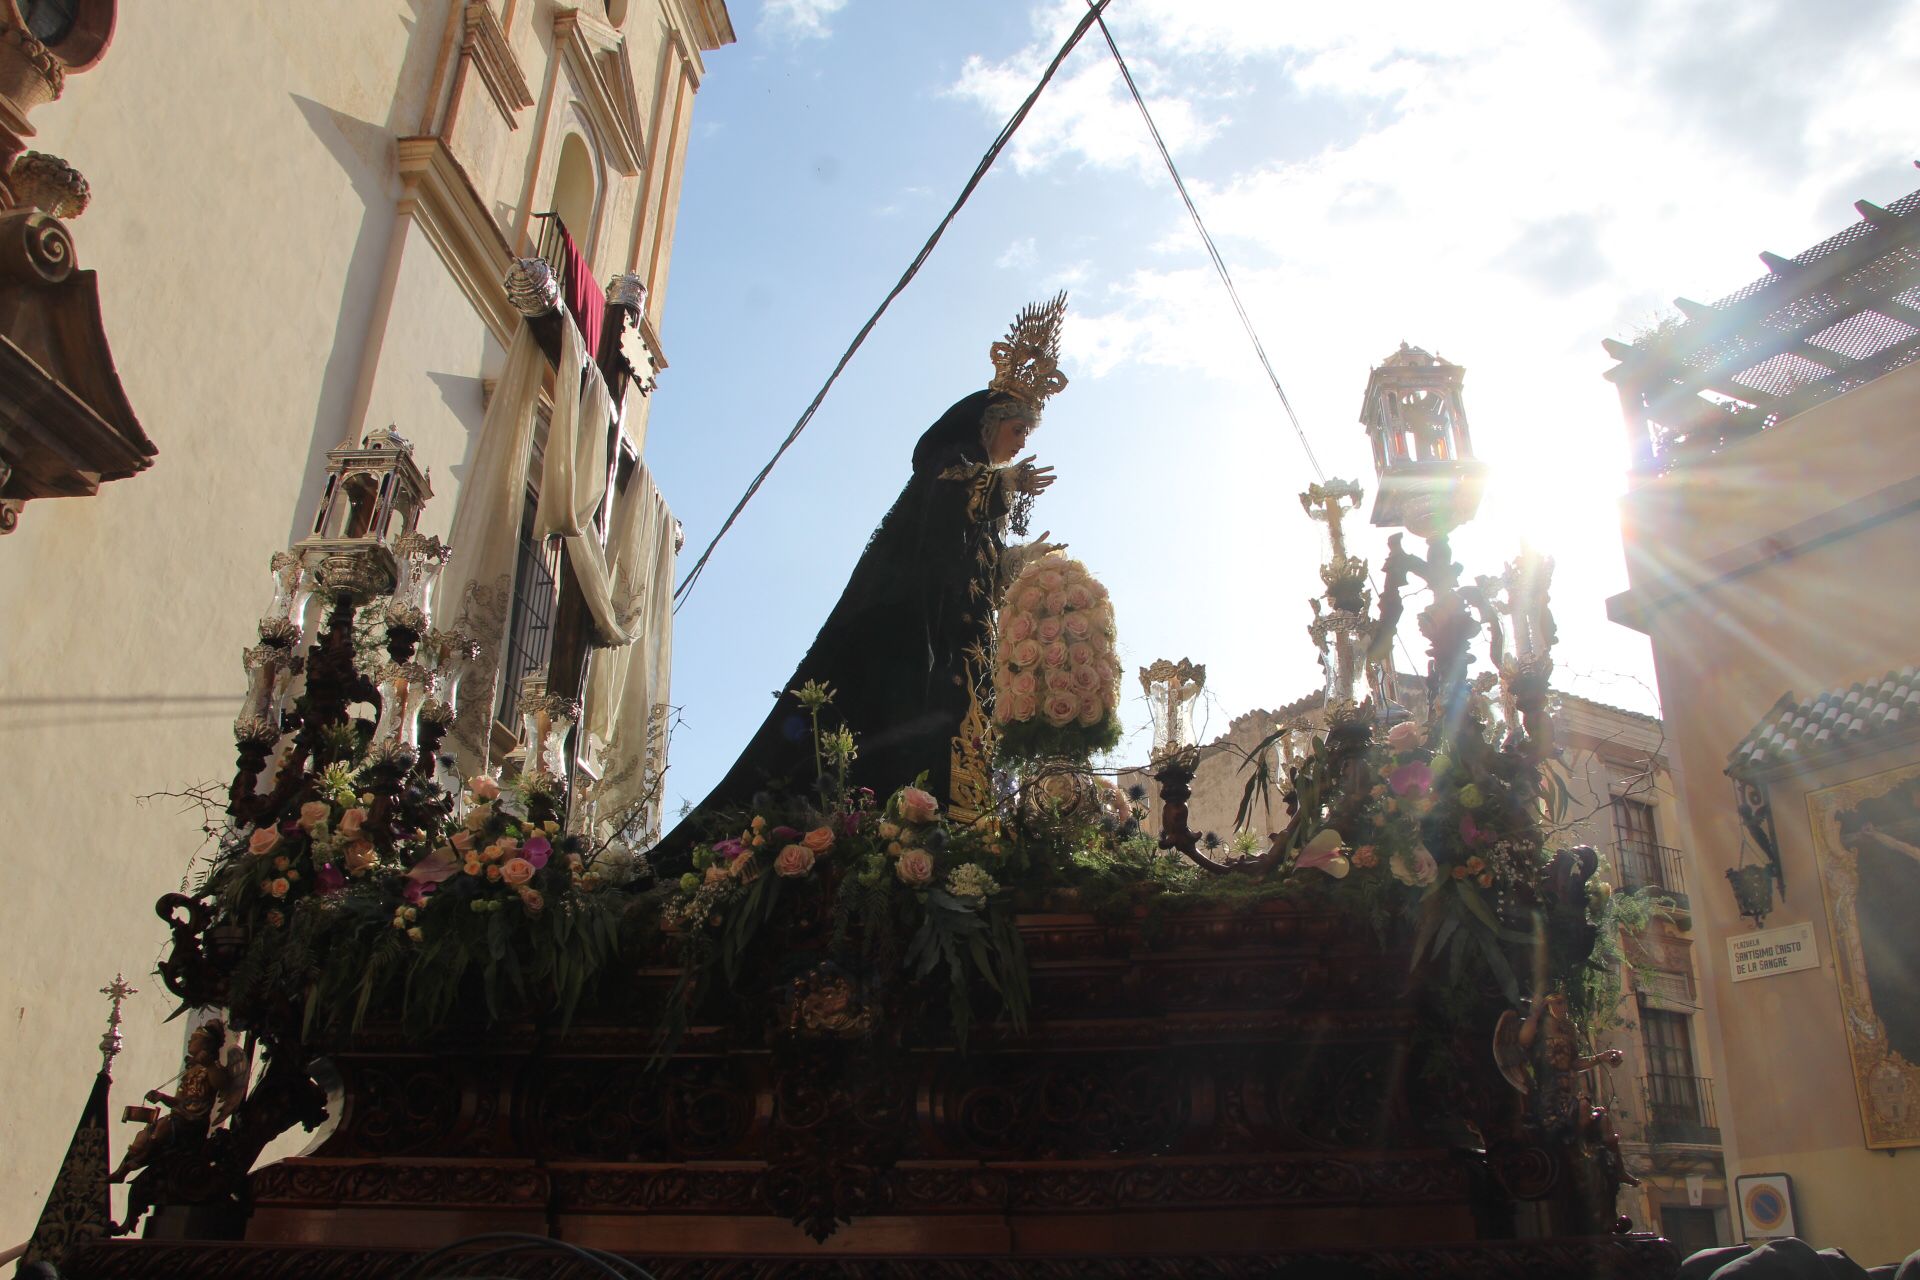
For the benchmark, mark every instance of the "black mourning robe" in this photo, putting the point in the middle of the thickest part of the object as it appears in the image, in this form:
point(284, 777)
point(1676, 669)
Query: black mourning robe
point(906, 649)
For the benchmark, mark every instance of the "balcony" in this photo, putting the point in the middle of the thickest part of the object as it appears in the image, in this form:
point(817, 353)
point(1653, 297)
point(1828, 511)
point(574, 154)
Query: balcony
point(1653, 866)
point(1680, 1109)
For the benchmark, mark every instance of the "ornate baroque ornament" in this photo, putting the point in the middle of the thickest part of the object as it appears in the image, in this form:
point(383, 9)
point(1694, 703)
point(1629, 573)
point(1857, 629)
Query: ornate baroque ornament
point(1026, 364)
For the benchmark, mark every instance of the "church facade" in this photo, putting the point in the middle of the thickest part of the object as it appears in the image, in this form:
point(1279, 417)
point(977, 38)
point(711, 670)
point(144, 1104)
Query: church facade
point(301, 225)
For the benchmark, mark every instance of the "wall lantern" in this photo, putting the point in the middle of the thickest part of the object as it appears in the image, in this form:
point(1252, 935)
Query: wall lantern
point(1430, 482)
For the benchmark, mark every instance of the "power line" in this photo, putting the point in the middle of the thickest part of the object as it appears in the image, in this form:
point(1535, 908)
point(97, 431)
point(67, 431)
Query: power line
point(913, 269)
point(1206, 239)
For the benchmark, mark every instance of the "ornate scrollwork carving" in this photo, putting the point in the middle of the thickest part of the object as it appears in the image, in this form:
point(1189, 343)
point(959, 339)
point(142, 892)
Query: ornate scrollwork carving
point(35, 247)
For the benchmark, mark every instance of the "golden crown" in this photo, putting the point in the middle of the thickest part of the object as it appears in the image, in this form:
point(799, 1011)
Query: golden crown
point(1026, 364)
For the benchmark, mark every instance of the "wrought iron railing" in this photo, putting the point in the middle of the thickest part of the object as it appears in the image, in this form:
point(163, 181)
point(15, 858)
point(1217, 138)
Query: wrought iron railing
point(1680, 1109)
point(1652, 866)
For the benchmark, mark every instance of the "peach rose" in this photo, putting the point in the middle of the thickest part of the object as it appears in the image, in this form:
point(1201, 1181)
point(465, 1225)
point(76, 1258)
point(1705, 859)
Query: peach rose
point(263, 841)
point(1099, 642)
point(716, 872)
point(820, 839)
point(278, 886)
point(484, 787)
point(313, 813)
point(360, 857)
point(1405, 736)
point(516, 871)
point(1060, 709)
point(1025, 652)
point(349, 824)
point(1024, 706)
point(1056, 602)
point(1086, 680)
point(1092, 710)
point(531, 899)
point(1054, 655)
point(1077, 626)
point(1002, 710)
point(794, 860)
point(1081, 655)
point(1019, 626)
point(1048, 630)
point(1059, 678)
point(1052, 579)
point(1031, 598)
point(1079, 596)
point(915, 866)
point(1024, 682)
point(917, 806)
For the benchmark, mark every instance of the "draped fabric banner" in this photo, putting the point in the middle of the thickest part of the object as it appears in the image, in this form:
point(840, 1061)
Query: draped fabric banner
point(77, 1210)
point(477, 588)
point(573, 483)
point(625, 684)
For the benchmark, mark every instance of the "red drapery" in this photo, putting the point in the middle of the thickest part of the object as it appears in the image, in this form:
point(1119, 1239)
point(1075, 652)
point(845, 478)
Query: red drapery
point(585, 298)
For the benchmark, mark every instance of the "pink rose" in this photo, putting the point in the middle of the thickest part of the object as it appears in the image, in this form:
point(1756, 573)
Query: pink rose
point(1079, 596)
point(1086, 680)
point(1032, 598)
point(1002, 710)
point(1024, 706)
point(263, 841)
point(1092, 710)
point(1052, 580)
point(1056, 602)
point(1077, 626)
point(917, 806)
point(484, 787)
point(1415, 867)
point(349, 824)
point(794, 860)
point(1405, 736)
point(1099, 592)
point(516, 871)
point(1024, 682)
point(914, 866)
point(531, 899)
point(1081, 655)
point(1058, 679)
point(1019, 626)
point(1060, 709)
point(1025, 653)
point(1048, 630)
point(1099, 642)
point(313, 813)
point(1054, 655)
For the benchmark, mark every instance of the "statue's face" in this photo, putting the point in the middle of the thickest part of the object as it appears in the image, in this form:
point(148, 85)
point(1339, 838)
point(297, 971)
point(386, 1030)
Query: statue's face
point(1006, 438)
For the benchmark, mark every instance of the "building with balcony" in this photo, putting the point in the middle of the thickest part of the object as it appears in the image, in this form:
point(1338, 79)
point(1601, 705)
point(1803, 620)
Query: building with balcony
point(1769, 526)
point(301, 225)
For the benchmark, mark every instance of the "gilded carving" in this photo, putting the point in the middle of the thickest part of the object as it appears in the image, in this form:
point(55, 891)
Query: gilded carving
point(1866, 840)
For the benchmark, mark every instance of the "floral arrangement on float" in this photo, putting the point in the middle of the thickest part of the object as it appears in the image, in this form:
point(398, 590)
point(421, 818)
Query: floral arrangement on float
point(1056, 677)
point(868, 895)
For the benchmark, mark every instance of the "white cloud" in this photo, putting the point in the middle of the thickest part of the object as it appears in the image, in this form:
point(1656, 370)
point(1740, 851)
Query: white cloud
point(799, 19)
point(1018, 256)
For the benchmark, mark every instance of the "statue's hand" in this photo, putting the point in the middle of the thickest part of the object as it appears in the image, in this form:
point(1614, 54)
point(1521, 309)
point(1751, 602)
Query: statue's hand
point(1028, 478)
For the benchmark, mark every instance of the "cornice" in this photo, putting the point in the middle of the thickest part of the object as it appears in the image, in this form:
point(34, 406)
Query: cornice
point(486, 44)
point(582, 40)
point(439, 197)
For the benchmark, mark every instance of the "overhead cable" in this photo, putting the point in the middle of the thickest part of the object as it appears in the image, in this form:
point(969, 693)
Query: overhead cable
point(913, 269)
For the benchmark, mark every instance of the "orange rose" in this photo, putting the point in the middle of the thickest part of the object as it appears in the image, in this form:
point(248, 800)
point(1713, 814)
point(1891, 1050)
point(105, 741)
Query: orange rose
point(350, 821)
point(263, 841)
point(820, 839)
point(516, 871)
point(278, 887)
point(794, 860)
point(313, 813)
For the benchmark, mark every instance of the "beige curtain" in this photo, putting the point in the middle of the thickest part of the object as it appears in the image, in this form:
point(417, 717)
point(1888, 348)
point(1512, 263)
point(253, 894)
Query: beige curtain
point(626, 684)
point(477, 587)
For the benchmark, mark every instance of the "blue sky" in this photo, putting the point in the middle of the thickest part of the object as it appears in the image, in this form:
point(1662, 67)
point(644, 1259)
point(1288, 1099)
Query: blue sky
point(1505, 184)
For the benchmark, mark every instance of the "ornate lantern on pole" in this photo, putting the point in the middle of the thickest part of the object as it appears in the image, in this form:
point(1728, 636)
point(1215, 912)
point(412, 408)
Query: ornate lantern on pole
point(372, 500)
point(1430, 482)
point(1171, 689)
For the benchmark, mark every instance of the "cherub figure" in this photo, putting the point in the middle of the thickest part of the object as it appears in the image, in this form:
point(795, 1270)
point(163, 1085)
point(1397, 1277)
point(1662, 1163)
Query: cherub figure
point(210, 1081)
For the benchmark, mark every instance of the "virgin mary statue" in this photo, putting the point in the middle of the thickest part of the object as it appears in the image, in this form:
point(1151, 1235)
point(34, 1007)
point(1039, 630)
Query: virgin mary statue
point(907, 650)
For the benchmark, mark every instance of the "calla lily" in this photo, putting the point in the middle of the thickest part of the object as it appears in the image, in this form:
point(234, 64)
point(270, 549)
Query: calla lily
point(1325, 853)
point(437, 866)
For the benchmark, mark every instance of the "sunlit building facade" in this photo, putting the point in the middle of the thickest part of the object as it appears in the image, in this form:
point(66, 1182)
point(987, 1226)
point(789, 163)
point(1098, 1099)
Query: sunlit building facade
point(1770, 531)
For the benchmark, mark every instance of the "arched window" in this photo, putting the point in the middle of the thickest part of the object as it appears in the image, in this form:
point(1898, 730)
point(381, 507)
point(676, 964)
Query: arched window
point(617, 12)
point(575, 189)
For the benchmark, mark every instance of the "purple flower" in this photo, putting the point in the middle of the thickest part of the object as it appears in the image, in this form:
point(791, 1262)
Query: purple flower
point(729, 849)
point(416, 891)
point(1414, 779)
point(329, 880)
point(537, 851)
point(782, 835)
point(1470, 831)
point(849, 824)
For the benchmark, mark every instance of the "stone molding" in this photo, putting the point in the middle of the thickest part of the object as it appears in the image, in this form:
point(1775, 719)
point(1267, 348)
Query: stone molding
point(485, 43)
point(440, 197)
point(610, 101)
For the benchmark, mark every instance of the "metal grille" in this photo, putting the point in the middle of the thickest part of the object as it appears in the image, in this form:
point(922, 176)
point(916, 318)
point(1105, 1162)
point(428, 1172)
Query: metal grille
point(1680, 1108)
point(536, 588)
point(1863, 336)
